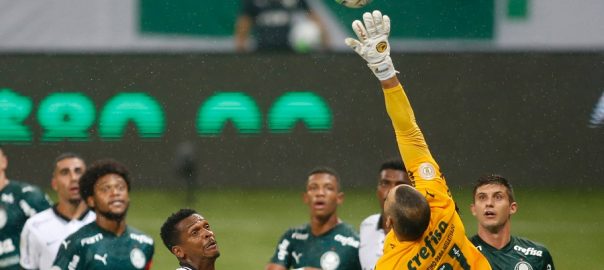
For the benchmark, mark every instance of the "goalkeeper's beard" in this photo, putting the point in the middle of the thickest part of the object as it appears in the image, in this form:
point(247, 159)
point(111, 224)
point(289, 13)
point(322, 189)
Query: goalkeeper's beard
point(113, 216)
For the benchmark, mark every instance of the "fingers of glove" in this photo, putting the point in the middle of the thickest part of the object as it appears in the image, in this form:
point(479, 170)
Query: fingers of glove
point(378, 20)
point(369, 24)
point(359, 30)
point(356, 45)
point(386, 24)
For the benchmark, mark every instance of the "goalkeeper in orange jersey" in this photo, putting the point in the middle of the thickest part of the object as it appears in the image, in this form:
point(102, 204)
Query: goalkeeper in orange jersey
point(427, 232)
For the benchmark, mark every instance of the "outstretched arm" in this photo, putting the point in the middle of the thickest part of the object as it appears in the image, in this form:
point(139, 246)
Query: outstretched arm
point(372, 44)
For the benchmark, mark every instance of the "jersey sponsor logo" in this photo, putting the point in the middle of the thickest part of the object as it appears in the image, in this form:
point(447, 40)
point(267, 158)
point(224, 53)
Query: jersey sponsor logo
point(300, 236)
point(91, 240)
point(3, 217)
point(8, 198)
point(74, 262)
point(100, 258)
point(346, 241)
point(432, 239)
point(330, 260)
point(137, 257)
point(427, 171)
point(523, 266)
point(141, 238)
point(297, 256)
point(528, 251)
point(282, 249)
point(7, 246)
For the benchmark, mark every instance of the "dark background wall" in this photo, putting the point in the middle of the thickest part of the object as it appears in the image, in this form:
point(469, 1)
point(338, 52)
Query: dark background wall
point(521, 115)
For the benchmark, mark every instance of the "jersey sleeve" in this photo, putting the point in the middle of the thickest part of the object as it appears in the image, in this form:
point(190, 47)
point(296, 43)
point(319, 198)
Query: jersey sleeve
point(282, 253)
point(69, 256)
point(29, 248)
point(34, 201)
point(548, 262)
point(423, 170)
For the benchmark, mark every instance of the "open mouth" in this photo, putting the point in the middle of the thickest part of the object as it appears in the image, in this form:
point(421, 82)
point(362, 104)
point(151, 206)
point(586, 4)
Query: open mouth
point(319, 204)
point(116, 203)
point(489, 213)
point(211, 245)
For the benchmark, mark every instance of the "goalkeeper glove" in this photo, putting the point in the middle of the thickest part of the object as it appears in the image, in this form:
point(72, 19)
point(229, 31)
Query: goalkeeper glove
point(373, 44)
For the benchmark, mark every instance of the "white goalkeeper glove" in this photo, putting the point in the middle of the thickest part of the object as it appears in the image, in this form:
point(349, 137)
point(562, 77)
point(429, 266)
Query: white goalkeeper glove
point(373, 44)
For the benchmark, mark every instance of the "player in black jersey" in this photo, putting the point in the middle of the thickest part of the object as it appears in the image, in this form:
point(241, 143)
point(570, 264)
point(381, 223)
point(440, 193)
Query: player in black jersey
point(189, 237)
point(493, 207)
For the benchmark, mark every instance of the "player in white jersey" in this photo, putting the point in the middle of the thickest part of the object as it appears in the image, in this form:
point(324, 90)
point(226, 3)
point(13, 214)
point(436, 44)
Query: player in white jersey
point(44, 232)
point(373, 228)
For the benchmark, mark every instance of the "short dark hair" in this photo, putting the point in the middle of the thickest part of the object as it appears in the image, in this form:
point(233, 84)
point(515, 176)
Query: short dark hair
point(393, 164)
point(410, 212)
point(169, 233)
point(99, 169)
point(66, 155)
point(494, 179)
point(326, 170)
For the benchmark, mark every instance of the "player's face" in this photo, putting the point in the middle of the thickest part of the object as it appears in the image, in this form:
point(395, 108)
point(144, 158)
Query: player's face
point(197, 241)
point(323, 195)
point(110, 197)
point(66, 177)
point(492, 207)
point(390, 178)
point(3, 161)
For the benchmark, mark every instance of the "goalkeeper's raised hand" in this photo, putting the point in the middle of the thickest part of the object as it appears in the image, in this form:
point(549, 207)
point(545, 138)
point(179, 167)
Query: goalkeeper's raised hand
point(372, 43)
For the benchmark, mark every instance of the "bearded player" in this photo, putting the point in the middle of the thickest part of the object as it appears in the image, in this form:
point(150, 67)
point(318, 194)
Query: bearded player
point(107, 243)
point(427, 232)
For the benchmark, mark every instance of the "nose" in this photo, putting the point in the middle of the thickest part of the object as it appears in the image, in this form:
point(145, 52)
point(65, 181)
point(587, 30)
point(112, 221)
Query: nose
point(209, 234)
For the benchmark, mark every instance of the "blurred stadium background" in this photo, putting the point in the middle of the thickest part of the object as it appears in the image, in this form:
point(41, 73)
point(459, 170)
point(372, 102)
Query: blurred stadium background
point(512, 86)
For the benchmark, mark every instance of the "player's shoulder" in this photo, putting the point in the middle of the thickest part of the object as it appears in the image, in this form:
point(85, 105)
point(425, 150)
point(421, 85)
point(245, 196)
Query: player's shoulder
point(371, 221)
point(300, 232)
point(23, 187)
point(346, 229)
point(139, 236)
point(86, 231)
point(525, 245)
point(40, 219)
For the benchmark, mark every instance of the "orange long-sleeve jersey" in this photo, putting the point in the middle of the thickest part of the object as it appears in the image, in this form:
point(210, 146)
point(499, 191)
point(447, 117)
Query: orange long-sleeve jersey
point(444, 245)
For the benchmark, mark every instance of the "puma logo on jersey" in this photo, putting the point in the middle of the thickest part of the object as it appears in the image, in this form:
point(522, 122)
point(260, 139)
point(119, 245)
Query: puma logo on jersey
point(297, 256)
point(65, 243)
point(103, 258)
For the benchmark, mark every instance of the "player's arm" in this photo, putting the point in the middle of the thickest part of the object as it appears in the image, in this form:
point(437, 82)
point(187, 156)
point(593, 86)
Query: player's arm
point(67, 251)
point(372, 44)
point(34, 200)
point(29, 248)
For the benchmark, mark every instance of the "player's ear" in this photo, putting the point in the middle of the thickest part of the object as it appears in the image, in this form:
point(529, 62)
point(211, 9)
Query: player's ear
point(305, 198)
point(53, 183)
point(473, 209)
point(90, 202)
point(513, 207)
point(178, 252)
point(340, 198)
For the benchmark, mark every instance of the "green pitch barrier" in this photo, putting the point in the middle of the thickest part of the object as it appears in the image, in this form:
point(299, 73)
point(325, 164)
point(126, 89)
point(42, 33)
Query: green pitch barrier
point(248, 223)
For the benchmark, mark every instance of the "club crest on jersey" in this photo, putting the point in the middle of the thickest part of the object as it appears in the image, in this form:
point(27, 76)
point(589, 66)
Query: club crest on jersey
point(427, 171)
point(137, 257)
point(330, 260)
point(523, 266)
point(3, 217)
